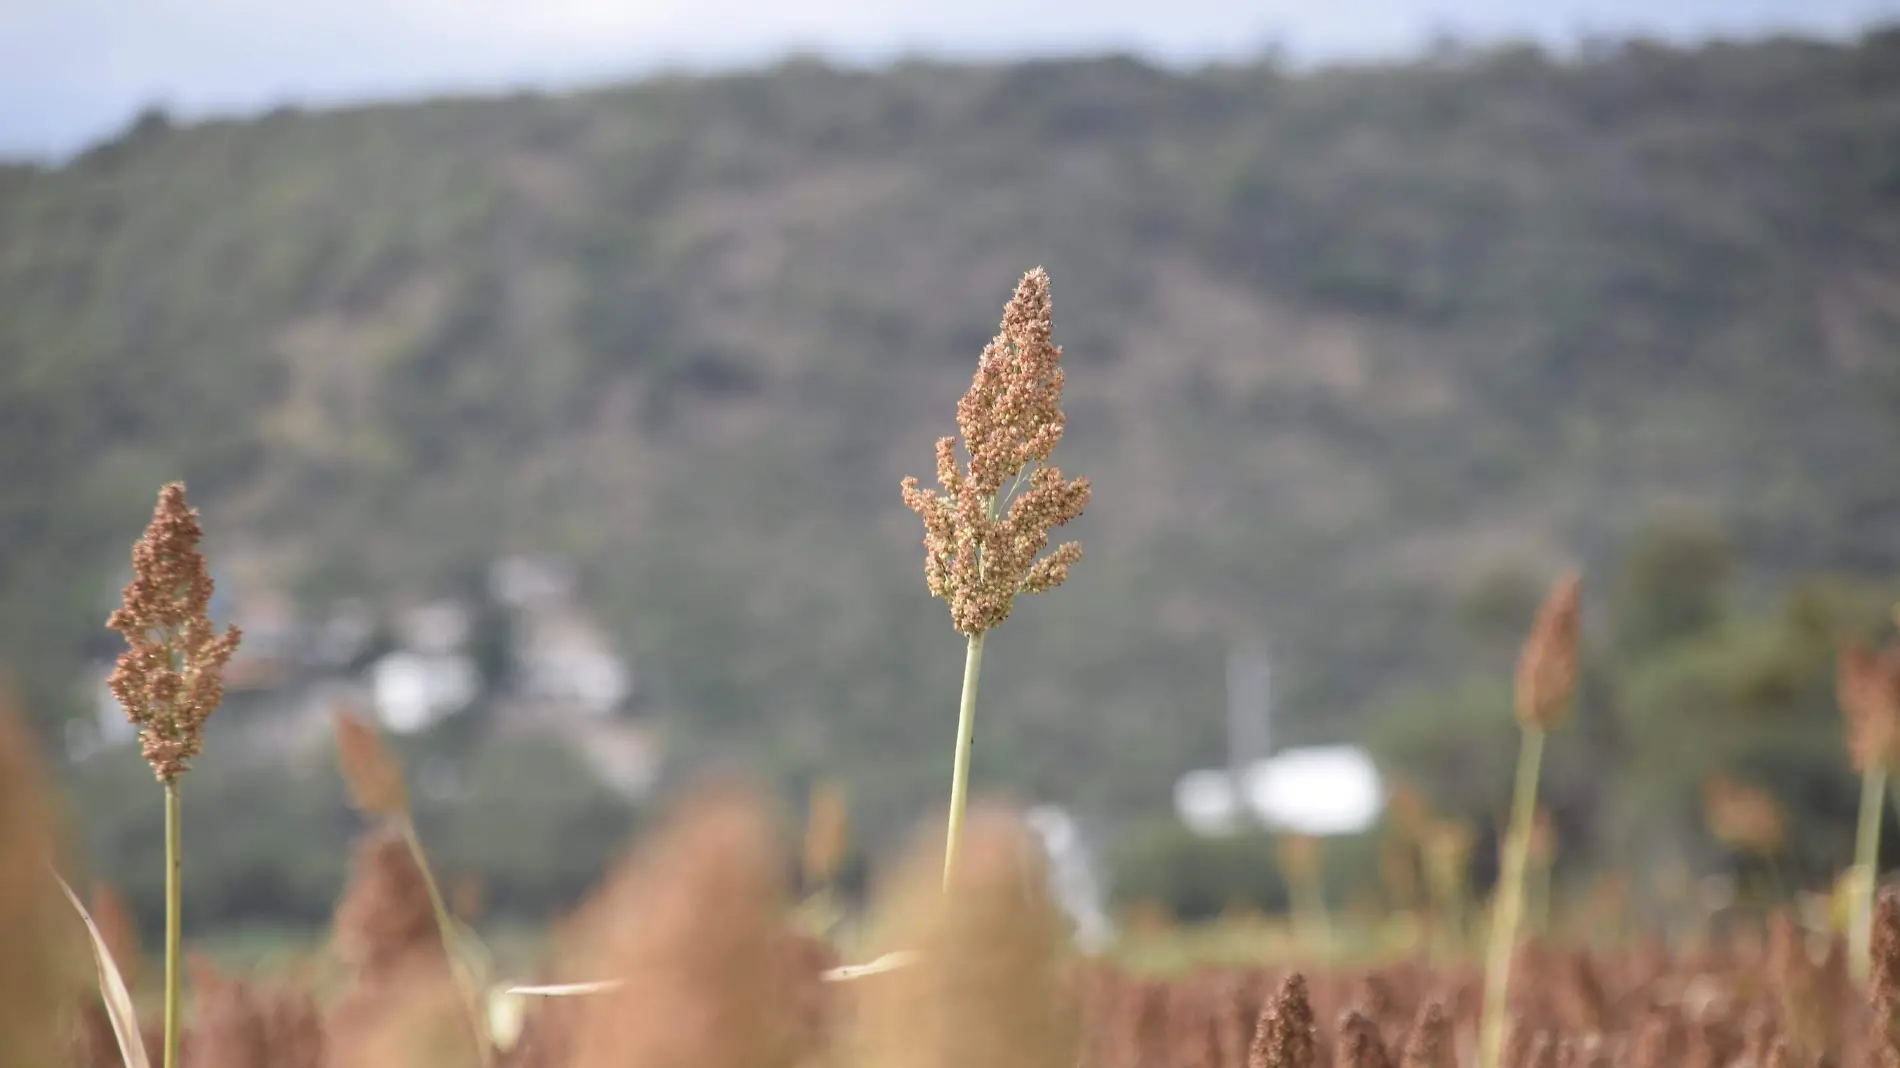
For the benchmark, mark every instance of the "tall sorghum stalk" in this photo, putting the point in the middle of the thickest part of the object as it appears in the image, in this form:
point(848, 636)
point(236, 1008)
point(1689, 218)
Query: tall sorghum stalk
point(170, 678)
point(989, 521)
point(1447, 849)
point(1541, 858)
point(1867, 686)
point(1304, 870)
point(1546, 676)
point(377, 788)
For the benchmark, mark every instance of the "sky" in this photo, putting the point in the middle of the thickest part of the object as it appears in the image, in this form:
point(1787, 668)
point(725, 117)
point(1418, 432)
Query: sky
point(75, 71)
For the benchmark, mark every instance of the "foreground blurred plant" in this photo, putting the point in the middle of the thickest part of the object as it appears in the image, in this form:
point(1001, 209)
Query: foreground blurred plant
point(377, 789)
point(29, 995)
point(170, 679)
point(827, 837)
point(988, 524)
point(1546, 676)
point(991, 984)
point(1867, 685)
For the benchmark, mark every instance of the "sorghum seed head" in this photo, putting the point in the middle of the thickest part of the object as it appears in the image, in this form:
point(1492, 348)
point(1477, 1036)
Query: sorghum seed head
point(171, 676)
point(372, 774)
point(827, 832)
point(1010, 420)
point(1867, 685)
point(1547, 668)
point(1883, 981)
point(1429, 1045)
point(1284, 1037)
point(1743, 817)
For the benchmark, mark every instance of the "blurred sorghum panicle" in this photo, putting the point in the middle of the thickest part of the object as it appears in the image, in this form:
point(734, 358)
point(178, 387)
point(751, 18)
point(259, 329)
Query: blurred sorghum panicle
point(990, 982)
point(1742, 816)
point(827, 833)
point(384, 922)
point(1429, 1044)
point(243, 1024)
point(693, 927)
point(172, 675)
point(1883, 980)
point(37, 935)
point(1010, 421)
point(1867, 685)
point(372, 774)
point(1547, 669)
point(1284, 1037)
point(1360, 1044)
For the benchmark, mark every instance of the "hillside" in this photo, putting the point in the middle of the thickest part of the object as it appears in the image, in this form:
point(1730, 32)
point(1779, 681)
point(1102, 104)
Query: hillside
point(1342, 347)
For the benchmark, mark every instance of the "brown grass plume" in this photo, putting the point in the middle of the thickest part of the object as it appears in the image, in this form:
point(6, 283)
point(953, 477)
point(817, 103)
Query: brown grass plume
point(989, 985)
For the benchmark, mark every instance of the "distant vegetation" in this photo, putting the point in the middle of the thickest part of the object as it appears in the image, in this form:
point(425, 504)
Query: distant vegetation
point(1358, 360)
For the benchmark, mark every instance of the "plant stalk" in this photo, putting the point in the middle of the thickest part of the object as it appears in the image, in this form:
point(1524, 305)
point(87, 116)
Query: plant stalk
point(1873, 789)
point(960, 766)
point(173, 896)
point(1311, 918)
point(1510, 903)
point(445, 924)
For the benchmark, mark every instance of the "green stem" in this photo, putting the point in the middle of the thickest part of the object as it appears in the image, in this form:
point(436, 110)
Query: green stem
point(471, 997)
point(1311, 918)
point(173, 869)
point(1510, 902)
point(1538, 881)
point(960, 766)
point(1873, 788)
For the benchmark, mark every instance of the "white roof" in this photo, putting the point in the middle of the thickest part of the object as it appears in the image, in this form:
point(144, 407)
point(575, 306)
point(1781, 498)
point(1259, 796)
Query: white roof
point(1322, 790)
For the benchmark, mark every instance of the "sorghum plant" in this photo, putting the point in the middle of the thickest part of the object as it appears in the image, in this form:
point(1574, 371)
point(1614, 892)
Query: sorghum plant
point(170, 678)
point(1867, 685)
point(1546, 676)
point(985, 528)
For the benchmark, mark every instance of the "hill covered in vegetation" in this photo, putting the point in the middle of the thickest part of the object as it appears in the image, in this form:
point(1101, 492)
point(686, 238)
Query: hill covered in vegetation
point(1355, 358)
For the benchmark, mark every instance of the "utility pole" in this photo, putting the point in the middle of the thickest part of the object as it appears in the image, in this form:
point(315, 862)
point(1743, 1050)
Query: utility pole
point(1249, 710)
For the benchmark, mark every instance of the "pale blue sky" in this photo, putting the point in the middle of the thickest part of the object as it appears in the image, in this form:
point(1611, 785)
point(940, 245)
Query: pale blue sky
point(72, 71)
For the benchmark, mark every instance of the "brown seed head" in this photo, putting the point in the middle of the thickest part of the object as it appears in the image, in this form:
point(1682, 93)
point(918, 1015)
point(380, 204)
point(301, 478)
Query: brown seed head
point(1360, 1045)
point(827, 833)
point(1883, 982)
point(1867, 686)
point(1742, 816)
point(385, 920)
point(694, 927)
point(370, 771)
point(1284, 1037)
point(242, 1024)
point(1547, 668)
point(171, 675)
point(975, 558)
point(1408, 809)
point(1429, 1045)
point(989, 983)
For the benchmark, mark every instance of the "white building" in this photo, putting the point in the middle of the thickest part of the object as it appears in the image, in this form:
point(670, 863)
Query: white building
point(1320, 791)
point(414, 690)
point(561, 656)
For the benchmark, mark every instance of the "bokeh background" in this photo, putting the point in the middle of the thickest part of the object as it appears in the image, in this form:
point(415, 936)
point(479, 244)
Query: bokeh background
point(545, 374)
